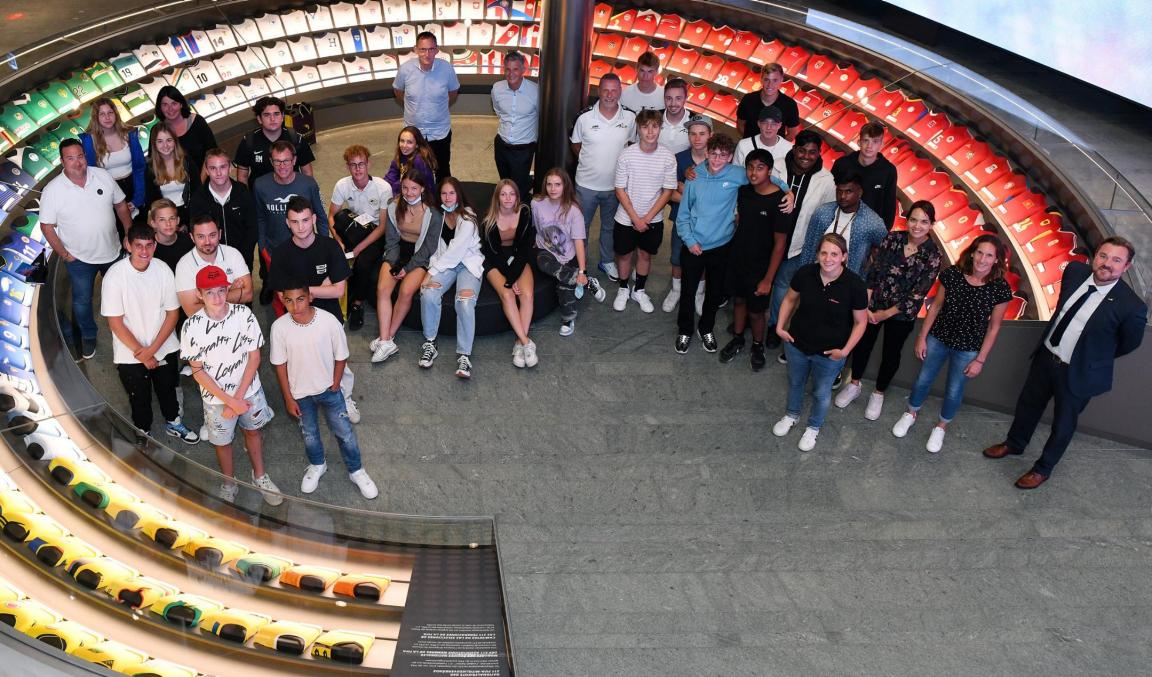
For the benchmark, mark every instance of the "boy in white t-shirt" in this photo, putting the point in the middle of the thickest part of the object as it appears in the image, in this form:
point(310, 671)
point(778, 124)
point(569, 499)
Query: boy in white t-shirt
point(309, 351)
point(138, 296)
point(222, 345)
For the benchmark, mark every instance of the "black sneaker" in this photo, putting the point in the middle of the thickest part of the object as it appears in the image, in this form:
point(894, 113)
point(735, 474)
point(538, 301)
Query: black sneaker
point(356, 317)
point(708, 340)
point(428, 355)
point(838, 382)
point(682, 341)
point(88, 349)
point(265, 296)
point(731, 350)
point(782, 358)
point(758, 358)
point(771, 338)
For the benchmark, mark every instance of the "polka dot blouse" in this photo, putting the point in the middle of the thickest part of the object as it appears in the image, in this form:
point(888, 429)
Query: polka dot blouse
point(963, 321)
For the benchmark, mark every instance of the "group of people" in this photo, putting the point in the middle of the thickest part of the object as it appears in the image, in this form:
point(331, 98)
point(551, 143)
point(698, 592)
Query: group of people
point(805, 255)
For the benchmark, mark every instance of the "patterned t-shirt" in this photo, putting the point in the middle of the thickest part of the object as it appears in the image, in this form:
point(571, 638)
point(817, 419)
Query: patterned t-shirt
point(555, 231)
point(223, 347)
point(963, 321)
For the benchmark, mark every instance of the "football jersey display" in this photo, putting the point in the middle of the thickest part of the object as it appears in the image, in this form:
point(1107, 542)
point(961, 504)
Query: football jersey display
point(82, 87)
point(967, 156)
point(15, 124)
point(928, 126)
point(723, 106)
point(319, 18)
point(396, 11)
point(474, 9)
point(669, 28)
point(151, 58)
point(359, 69)
point(948, 140)
point(257, 88)
point(175, 51)
point(621, 21)
point(732, 75)
point(840, 80)
point(827, 113)
point(128, 66)
point(818, 68)
point(248, 32)
point(199, 43)
point(847, 127)
point(719, 38)
point(957, 223)
point(303, 49)
point(707, 67)
point(949, 202)
point(270, 26)
point(370, 13)
point(33, 162)
point(1054, 243)
point(404, 36)
point(328, 45)
point(768, 51)
point(991, 168)
point(1032, 227)
point(295, 22)
point(695, 33)
point(228, 67)
point(632, 48)
point(699, 96)
point(882, 102)
point(507, 35)
point(208, 106)
point(465, 61)
point(384, 66)
point(1002, 189)
point(646, 23)
point(1019, 207)
point(906, 114)
point(421, 10)
point(47, 147)
point(530, 36)
point(204, 74)
point(863, 89)
point(104, 76)
point(792, 60)
point(344, 14)
point(607, 45)
point(306, 78)
point(911, 169)
point(278, 54)
point(253, 60)
point(222, 37)
point(332, 73)
point(37, 107)
point(455, 34)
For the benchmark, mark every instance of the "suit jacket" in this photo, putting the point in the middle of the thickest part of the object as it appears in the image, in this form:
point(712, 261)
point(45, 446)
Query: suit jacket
point(1115, 329)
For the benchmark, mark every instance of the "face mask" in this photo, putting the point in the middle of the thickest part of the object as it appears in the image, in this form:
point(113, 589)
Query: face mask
point(448, 209)
point(412, 203)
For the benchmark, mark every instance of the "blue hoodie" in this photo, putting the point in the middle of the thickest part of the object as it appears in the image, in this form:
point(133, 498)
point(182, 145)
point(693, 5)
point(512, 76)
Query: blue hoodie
point(707, 214)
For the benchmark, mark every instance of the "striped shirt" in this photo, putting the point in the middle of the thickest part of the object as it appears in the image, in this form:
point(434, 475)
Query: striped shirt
point(643, 176)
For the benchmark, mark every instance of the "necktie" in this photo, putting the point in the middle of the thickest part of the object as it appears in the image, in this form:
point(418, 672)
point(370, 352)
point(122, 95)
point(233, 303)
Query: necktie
point(1058, 332)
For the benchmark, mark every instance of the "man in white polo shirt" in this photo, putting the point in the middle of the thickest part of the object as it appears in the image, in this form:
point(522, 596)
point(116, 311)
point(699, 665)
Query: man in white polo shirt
point(78, 212)
point(599, 136)
point(209, 252)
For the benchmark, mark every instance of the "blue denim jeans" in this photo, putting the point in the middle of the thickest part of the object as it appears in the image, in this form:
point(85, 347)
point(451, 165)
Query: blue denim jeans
point(823, 371)
point(957, 360)
point(332, 402)
point(677, 243)
point(781, 285)
point(607, 202)
point(83, 276)
point(465, 306)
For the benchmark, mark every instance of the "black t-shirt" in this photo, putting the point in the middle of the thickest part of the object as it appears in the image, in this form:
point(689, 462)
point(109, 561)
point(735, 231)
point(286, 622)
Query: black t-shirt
point(322, 259)
point(751, 105)
point(254, 152)
point(752, 243)
point(823, 319)
point(198, 139)
point(172, 253)
point(963, 321)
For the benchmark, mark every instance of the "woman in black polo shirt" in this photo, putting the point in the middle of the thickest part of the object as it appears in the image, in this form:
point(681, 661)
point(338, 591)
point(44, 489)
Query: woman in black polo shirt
point(825, 312)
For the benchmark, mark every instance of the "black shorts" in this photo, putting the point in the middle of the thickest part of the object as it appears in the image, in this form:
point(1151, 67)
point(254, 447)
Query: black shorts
point(626, 239)
point(741, 284)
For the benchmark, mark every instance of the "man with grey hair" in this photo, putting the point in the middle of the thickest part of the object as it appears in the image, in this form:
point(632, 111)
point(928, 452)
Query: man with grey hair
point(516, 102)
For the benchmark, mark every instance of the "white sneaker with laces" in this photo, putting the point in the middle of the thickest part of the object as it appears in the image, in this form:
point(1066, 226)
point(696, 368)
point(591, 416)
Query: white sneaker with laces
point(312, 477)
point(268, 488)
point(935, 440)
point(597, 290)
point(875, 406)
point(783, 425)
point(641, 298)
point(566, 328)
point(847, 395)
point(530, 359)
point(352, 409)
point(227, 491)
point(610, 270)
point(382, 350)
point(518, 355)
point(621, 300)
point(367, 487)
point(671, 300)
point(903, 424)
point(808, 439)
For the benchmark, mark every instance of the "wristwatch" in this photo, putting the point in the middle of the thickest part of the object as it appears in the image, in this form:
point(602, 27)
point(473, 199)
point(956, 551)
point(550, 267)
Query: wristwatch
point(582, 272)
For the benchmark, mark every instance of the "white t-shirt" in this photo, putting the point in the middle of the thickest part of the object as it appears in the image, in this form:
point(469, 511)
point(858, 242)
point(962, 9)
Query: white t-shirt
point(143, 298)
point(223, 348)
point(83, 215)
point(310, 351)
point(643, 176)
point(119, 162)
point(778, 151)
point(674, 136)
point(367, 202)
point(633, 98)
point(228, 259)
point(601, 141)
point(174, 191)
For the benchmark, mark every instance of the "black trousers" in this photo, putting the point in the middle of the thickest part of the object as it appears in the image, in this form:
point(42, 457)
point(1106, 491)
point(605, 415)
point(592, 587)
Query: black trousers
point(515, 163)
point(1047, 380)
point(365, 273)
point(442, 149)
point(714, 262)
point(140, 382)
point(896, 334)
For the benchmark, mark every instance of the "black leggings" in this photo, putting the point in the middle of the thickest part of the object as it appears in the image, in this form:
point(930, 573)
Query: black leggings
point(895, 335)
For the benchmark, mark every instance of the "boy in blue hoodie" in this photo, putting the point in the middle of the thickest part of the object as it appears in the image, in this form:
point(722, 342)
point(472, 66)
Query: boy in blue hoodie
point(705, 223)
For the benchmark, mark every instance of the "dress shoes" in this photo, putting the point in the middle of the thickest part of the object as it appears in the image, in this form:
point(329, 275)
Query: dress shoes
point(1000, 451)
point(1031, 480)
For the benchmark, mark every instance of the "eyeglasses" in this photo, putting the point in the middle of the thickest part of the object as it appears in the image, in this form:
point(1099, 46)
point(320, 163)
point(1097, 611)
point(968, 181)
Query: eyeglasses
point(720, 154)
point(357, 165)
point(281, 163)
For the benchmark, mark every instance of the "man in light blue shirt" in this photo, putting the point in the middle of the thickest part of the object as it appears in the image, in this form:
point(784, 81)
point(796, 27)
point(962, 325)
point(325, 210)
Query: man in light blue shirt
point(426, 87)
point(516, 102)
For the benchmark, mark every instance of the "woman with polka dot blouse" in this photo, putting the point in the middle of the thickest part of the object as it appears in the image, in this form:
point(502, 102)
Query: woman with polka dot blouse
point(959, 330)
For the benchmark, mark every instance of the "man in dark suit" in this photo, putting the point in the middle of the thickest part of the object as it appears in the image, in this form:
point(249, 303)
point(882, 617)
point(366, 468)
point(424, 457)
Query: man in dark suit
point(1098, 319)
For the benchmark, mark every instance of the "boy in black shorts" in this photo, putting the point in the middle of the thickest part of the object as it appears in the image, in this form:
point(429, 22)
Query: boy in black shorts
point(755, 253)
point(645, 179)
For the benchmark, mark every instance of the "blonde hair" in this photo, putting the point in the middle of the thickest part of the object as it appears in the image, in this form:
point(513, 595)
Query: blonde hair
point(97, 133)
point(159, 167)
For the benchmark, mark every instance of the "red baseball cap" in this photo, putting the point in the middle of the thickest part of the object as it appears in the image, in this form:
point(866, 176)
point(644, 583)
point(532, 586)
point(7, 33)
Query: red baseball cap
point(210, 277)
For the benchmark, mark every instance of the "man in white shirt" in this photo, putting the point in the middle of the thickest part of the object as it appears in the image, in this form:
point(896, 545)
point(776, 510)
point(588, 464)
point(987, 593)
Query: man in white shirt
point(78, 213)
point(644, 93)
point(426, 87)
point(673, 133)
point(358, 231)
point(599, 136)
point(209, 252)
point(516, 102)
point(138, 297)
point(770, 121)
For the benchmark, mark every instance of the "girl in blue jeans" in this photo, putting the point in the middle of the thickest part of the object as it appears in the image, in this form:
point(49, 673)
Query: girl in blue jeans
point(822, 318)
point(959, 330)
point(457, 261)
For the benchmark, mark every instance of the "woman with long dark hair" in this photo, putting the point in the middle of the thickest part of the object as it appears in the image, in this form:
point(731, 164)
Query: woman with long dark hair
point(413, 155)
point(191, 130)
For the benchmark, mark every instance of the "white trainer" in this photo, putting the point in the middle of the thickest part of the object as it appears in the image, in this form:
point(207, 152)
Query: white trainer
point(530, 358)
point(848, 395)
point(204, 432)
point(518, 355)
point(935, 440)
point(382, 350)
point(312, 477)
point(903, 424)
point(621, 300)
point(641, 298)
point(671, 300)
point(783, 425)
point(808, 439)
point(268, 488)
point(567, 327)
point(875, 406)
point(352, 409)
point(367, 487)
point(227, 491)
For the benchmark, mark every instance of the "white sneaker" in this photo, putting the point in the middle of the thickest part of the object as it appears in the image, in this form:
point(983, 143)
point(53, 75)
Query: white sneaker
point(204, 432)
point(641, 298)
point(783, 425)
point(382, 350)
point(517, 355)
point(227, 491)
point(312, 477)
point(269, 489)
point(621, 300)
point(367, 487)
point(808, 439)
point(903, 424)
point(566, 328)
point(935, 440)
point(610, 270)
point(847, 395)
point(671, 300)
point(352, 409)
point(875, 405)
point(530, 358)
point(700, 300)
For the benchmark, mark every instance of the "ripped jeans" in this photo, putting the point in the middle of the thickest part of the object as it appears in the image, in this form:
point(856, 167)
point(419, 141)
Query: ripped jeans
point(430, 295)
point(332, 402)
